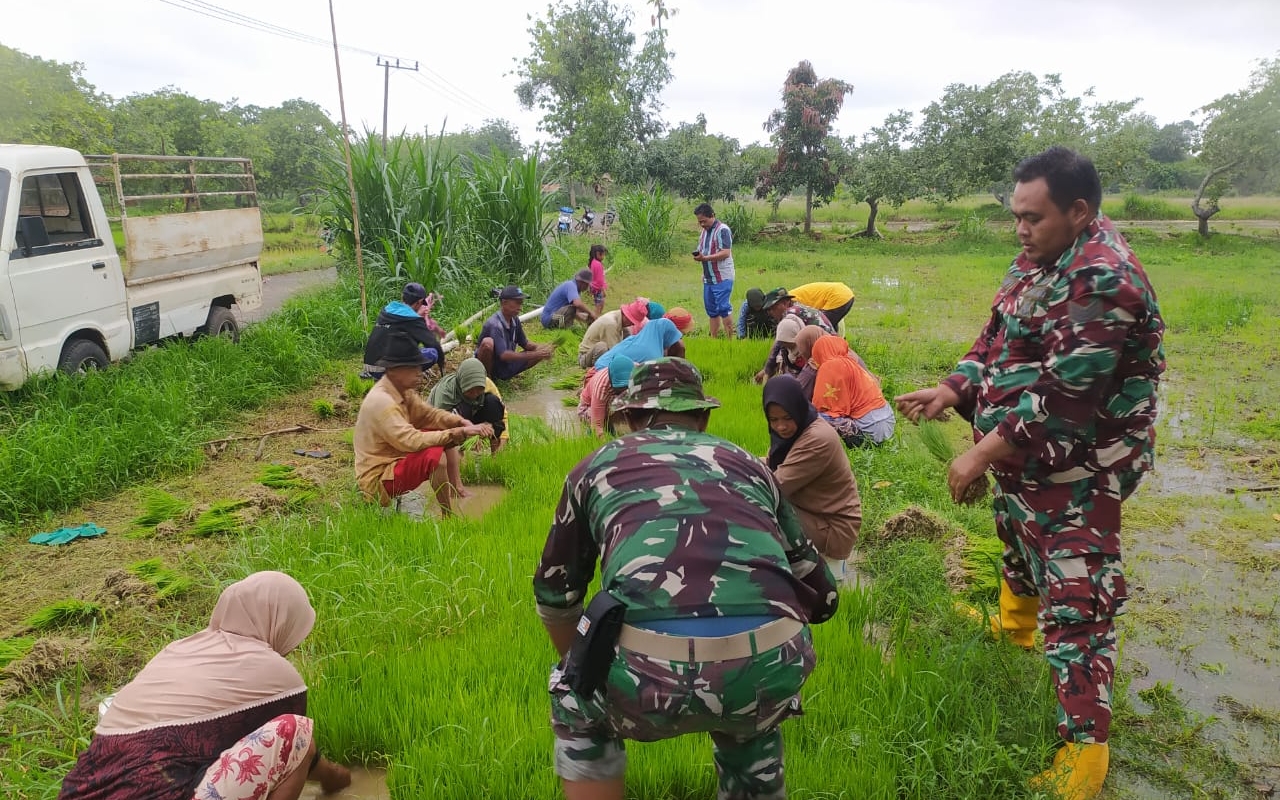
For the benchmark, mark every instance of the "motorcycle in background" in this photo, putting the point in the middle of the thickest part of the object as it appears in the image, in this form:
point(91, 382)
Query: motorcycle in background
point(564, 223)
point(588, 219)
point(610, 217)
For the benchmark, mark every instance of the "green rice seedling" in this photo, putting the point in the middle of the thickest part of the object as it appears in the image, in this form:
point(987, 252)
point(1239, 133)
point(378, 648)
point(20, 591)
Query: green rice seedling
point(158, 506)
point(220, 518)
point(356, 387)
point(283, 476)
point(169, 583)
point(567, 383)
point(297, 497)
point(935, 441)
point(63, 612)
point(322, 407)
point(14, 649)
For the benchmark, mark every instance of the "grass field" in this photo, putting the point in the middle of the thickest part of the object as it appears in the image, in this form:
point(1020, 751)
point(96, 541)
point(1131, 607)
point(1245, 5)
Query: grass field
point(427, 655)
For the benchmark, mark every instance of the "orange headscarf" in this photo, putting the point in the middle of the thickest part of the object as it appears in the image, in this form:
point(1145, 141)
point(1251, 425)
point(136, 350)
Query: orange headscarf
point(843, 387)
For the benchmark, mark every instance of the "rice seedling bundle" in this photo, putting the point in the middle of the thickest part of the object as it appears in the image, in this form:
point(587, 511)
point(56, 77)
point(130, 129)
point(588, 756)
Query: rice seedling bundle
point(283, 476)
point(63, 612)
point(14, 649)
point(220, 518)
point(158, 506)
point(169, 583)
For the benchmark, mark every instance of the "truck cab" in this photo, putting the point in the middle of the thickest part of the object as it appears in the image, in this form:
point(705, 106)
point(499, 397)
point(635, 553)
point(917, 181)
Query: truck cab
point(67, 299)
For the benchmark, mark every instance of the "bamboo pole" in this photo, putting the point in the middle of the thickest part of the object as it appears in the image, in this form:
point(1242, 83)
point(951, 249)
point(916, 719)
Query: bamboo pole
point(351, 181)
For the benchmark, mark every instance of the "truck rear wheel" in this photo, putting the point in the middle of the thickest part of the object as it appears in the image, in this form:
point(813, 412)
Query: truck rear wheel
point(222, 323)
point(82, 355)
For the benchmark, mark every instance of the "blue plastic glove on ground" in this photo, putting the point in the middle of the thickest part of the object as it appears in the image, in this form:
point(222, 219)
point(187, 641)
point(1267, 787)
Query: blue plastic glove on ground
point(68, 534)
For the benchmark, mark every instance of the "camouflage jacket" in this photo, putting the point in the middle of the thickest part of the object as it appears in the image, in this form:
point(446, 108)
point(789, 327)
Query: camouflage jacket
point(1068, 365)
point(685, 524)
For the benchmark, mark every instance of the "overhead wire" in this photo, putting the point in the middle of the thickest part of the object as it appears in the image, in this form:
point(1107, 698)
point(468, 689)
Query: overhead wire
point(427, 78)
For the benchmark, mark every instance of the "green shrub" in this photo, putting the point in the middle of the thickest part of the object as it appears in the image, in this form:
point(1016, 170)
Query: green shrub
point(741, 219)
point(648, 222)
point(1137, 206)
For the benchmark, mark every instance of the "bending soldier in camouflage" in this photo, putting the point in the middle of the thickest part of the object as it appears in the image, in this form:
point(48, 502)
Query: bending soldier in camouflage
point(1061, 389)
point(718, 582)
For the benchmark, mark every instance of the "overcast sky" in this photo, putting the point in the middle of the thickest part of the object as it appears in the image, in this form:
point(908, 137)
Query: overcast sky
point(731, 56)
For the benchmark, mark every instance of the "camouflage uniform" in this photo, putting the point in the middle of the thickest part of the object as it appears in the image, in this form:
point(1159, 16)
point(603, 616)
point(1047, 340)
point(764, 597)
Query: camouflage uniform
point(1066, 370)
point(685, 525)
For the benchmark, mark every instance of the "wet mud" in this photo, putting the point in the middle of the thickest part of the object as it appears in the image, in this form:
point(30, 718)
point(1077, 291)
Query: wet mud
point(547, 404)
point(367, 783)
point(1203, 613)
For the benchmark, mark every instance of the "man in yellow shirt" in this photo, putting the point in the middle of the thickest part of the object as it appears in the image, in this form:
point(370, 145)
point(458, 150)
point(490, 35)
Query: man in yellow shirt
point(832, 299)
point(400, 440)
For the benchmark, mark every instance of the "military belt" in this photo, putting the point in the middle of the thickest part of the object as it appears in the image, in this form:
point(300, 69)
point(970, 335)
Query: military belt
point(710, 648)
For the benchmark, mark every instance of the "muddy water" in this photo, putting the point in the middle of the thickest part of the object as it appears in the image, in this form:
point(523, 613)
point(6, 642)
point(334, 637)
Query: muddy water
point(481, 497)
point(546, 404)
point(1204, 623)
point(366, 784)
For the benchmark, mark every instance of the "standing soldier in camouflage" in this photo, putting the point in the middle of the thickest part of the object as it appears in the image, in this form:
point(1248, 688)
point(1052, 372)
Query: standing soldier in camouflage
point(718, 581)
point(1061, 389)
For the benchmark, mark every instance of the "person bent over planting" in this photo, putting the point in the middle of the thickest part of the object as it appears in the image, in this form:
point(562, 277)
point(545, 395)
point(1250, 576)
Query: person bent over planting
point(781, 307)
point(472, 395)
point(504, 349)
point(1061, 389)
point(219, 715)
point(716, 582)
point(404, 315)
point(402, 442)
point(612, 327)
point(565, 306)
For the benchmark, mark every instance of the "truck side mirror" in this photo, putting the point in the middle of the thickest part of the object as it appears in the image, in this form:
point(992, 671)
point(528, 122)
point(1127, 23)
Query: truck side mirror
point(32, 234)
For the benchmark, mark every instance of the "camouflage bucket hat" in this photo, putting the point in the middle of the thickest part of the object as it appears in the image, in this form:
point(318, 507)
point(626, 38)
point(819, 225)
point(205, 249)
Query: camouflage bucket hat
point(669, 384)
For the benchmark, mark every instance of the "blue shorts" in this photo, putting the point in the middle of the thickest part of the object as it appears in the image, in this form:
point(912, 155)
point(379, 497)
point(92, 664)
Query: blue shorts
point(715, 298)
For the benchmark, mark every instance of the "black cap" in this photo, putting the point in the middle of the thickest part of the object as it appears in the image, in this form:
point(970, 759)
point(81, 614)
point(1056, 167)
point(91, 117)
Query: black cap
point(511, 292)
point(413, 293)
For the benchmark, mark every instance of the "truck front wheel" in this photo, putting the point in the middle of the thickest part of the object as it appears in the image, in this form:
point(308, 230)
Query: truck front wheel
point(82, 355)
point(222, 323)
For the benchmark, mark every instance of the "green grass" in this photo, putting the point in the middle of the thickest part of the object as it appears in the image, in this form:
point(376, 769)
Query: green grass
point(428, 655)
point(149, 416)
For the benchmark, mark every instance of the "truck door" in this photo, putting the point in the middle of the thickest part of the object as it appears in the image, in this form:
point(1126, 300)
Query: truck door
point(13, 366)
point(69, 280)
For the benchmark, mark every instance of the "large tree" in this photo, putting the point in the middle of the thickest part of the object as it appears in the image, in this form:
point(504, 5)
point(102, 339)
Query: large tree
point(598, 92)
point(296, 139)
point(46, 102)
point(800, 130)
point(883, 169)
point(1241, 133)
point(695, 164)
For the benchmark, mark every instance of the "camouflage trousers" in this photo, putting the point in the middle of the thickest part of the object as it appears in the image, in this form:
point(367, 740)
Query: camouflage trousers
point(1062, 544)
point(739, 702)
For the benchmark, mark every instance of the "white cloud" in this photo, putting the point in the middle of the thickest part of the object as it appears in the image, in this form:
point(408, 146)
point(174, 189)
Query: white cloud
point(731, 56)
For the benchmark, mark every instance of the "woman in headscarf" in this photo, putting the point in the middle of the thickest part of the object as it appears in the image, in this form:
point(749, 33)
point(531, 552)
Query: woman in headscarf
point(848, 396)
point(595, 405)
point(469, 393)
point(812, 468)
point(219, 714)
point(804, 350)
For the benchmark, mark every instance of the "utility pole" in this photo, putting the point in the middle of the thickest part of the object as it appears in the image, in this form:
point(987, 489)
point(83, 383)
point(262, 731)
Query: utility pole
point(386, 91)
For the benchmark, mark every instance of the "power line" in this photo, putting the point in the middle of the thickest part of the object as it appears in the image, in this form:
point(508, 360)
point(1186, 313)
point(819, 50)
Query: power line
point(440, 85)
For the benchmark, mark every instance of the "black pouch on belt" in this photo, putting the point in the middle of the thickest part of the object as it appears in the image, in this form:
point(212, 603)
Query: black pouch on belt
point(586, 666)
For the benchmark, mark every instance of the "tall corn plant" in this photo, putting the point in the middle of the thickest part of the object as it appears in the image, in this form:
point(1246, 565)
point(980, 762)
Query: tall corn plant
point(648, 222)
point(409, 211)
point(508, 225)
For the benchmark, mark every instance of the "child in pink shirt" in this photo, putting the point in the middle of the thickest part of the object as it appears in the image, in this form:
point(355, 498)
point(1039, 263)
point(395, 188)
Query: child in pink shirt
point(598, 286)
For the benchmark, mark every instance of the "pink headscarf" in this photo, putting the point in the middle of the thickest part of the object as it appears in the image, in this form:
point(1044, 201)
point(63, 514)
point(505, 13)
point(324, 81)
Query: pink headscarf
point(636, 313)
point(236, 663)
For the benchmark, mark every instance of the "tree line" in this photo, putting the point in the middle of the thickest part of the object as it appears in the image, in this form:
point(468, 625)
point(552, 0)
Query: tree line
point(598, 83)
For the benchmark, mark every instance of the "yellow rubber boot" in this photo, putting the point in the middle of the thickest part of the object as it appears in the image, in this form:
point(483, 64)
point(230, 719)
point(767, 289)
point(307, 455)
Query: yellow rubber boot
point(1077, 773)
point(1017, 618)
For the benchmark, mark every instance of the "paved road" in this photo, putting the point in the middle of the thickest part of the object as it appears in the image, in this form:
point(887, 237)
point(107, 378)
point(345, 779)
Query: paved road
point(278, 288)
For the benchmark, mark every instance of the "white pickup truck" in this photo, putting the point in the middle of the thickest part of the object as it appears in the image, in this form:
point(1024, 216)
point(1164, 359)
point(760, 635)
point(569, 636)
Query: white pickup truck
point(192, 236)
